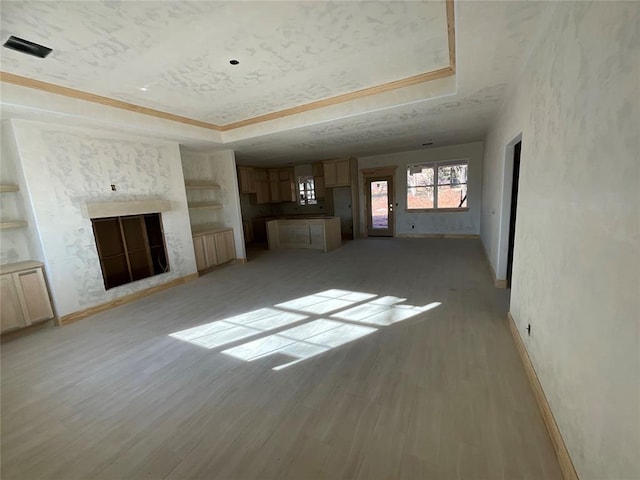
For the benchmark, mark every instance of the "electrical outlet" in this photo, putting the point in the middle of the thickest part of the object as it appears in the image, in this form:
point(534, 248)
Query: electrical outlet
point(113, 187)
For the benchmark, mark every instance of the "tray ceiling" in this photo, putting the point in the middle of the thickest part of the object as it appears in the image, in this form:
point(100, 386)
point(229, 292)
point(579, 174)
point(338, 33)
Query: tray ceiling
point(174, 56)
point(115, 48)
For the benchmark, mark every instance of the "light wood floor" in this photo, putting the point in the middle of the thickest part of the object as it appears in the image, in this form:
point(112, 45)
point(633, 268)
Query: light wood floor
point(442, 395)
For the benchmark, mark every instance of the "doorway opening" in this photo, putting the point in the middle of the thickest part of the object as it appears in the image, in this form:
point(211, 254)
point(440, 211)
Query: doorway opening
point(380, 199)
point(513, 210)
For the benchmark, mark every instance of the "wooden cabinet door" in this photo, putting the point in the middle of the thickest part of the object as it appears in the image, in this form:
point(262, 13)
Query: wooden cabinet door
point(300, 234)
point(274, 185)
point(262, 186)
point(318, 183)
point(318, 179)
point(31, 285)
point(287, 185)
point(247, 180)
point(343, 175)
point(330, 174)
point(11, 315)
point(199, 249)
point(337, 173)
point(210, 250)
point(225, 247)
point(317, 169)
point(287, 193)
point(262, 192)
point(316, 236)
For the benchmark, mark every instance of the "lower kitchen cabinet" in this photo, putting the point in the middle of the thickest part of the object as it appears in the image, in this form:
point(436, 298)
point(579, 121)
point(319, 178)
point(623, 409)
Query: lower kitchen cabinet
point(320, 233)
point(213, 248)
point(25, 298)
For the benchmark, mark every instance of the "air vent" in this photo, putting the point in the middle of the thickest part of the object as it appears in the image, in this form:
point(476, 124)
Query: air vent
point(25, 46)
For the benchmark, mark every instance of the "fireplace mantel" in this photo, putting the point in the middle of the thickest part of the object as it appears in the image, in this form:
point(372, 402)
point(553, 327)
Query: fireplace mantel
point(120, 209)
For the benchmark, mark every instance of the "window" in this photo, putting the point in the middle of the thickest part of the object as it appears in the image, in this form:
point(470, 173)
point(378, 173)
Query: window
point(437, 185)
point(306, 191)
point(130, 248)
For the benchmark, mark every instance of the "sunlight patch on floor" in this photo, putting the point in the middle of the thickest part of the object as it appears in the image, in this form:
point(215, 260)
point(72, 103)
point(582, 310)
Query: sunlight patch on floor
point(355, 315)
point(301, 342)
point(232, 329)
point(379, 314)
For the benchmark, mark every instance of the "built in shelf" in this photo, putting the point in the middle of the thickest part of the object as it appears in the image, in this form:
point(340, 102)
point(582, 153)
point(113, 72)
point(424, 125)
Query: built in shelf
point(210, 205)
point(202, 186)
point(13, 224)
point(206, 228)
point(6, 187)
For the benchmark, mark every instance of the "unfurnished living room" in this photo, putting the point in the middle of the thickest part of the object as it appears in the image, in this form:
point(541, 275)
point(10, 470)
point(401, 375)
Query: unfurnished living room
point(320, 240)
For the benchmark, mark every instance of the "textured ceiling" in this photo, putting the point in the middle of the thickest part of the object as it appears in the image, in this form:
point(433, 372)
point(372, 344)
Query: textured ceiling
point(290, 53)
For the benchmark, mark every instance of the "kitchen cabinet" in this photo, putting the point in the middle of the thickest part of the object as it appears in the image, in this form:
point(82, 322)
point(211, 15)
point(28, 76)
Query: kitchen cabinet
point(337, 173)
point(25, 298)
point(274, 184)
point(271, 185)
point(247, 180)
point(287, 185)
point(213, 248)
point(318, 179)
point(315, 233)
point(262, 186)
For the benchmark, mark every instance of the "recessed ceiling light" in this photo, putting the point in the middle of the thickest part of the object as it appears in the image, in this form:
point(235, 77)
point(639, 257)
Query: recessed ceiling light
point(144, 89)
point(25, 46)
point(234, 62)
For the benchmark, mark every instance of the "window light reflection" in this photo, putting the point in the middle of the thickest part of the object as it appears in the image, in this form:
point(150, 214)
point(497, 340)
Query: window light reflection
point(353, 315)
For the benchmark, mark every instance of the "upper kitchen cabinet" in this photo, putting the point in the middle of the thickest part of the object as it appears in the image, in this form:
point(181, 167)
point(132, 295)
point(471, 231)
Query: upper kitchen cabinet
point(274, 184)
point(262, 186)
point(337, 173)
point(247, 179)
point(318, 178)
point(287, 185)
point(271, 185)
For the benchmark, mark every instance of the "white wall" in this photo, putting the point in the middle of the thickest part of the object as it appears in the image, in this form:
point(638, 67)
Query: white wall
point(430, 223)
point(219, 165)
point(577, 256)
point(63, 169)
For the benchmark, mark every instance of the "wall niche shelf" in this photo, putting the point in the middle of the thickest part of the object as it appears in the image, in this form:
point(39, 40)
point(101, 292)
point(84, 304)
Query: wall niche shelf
point(210, 205)
point(11, 224)
point(14, 224)
point(205, 228)
point(195, 185)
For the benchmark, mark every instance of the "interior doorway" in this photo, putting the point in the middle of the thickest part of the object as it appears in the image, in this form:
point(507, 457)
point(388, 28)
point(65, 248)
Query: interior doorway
point(380, 200)
point(513, 211)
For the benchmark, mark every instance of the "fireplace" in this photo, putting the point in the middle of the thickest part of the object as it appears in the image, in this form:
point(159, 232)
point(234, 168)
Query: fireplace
point(130, 247)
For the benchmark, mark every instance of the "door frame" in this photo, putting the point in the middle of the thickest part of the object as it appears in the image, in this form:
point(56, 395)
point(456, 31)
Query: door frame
point(372, 173)
point(517, 154)
point(505, 210)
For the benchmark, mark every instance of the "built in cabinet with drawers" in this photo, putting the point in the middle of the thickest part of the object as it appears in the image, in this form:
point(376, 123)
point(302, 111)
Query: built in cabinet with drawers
point(213, 241)
point(24, 294)
point(213, 247)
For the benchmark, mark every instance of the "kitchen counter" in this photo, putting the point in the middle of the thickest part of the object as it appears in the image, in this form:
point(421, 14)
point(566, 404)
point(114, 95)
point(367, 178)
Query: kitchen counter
point(315, 232)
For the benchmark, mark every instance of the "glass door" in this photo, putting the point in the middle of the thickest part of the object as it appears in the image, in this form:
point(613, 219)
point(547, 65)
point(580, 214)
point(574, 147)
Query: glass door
point(380, 206)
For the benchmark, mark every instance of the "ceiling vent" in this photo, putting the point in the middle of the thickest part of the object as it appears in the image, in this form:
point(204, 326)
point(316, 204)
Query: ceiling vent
point(25, 46)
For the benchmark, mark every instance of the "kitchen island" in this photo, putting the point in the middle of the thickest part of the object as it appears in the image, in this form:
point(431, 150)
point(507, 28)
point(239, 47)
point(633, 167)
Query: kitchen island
point(320, 233)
